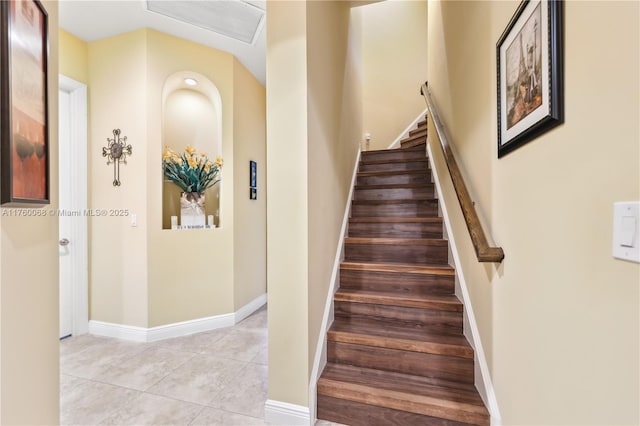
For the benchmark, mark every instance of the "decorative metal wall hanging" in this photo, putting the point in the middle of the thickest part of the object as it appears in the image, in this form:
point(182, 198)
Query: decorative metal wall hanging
point(116, 149)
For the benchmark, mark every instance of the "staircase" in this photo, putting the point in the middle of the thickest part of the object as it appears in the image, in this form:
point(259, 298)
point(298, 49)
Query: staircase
point(396, 353)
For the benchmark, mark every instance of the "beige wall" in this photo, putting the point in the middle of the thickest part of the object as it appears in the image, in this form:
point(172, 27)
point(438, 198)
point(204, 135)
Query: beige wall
point(75, 55)
point(29, 354)
point(394, 65)
point(559, 317)
point(287, 226)
point(313, 130)
point(197, 282)
point(249, 143)
point(334, 128)
point(118, 96)
point(144, 276)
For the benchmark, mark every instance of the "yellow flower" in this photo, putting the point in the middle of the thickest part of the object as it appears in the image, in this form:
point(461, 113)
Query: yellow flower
point(207, 166)
point(192, 162)
point(203, 154)
point(176, 159)
point(219, 162)
point(190, 150)
point(167, 155)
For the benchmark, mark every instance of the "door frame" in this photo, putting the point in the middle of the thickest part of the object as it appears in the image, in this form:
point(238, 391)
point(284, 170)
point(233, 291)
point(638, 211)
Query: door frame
point(79, 259)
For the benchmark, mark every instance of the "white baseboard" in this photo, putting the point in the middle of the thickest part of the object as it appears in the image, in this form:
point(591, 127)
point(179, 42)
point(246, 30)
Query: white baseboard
point(283, 413)
point(153, 334)
point(320, 359)
point(492, 401)
point(405, 132)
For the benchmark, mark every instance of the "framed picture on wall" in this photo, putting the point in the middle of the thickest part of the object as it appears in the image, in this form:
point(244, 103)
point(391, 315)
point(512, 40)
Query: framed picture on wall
point(253, 194)
point(253, 174)
point(530, 74)
point(24, 126)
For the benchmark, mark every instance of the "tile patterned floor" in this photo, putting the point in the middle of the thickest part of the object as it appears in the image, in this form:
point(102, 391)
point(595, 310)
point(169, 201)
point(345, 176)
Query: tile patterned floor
point(212, 378)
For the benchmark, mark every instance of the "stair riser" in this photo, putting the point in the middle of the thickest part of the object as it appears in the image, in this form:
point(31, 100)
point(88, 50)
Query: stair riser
point(413, 144)
point(428, 365)
point(395, 179)
point(421, 254)
point(395, 230)
point(417, 209)
point(398, 282)
point(358, 414)
point(421, 135)
point(394, 193)
point(394, 154)
point(442, 322)
point(408, 165)
point(418, 130)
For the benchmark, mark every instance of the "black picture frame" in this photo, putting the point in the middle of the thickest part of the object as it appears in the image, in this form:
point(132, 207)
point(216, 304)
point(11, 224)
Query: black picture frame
point(253, 194)
point(24, 114)
point(253, 174)
point(531, 97)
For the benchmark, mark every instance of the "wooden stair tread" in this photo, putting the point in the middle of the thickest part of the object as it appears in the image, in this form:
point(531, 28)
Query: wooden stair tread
point(391, 172)
point(399, 201)
point(405, 401)
point(368, 333)
point(394, 186)
point(396, 219)
point(418, 135)
point(402, 382)
point(399, 267)
point(438, 302)
point(394, 161)
point(388, 150)
point(397, 241)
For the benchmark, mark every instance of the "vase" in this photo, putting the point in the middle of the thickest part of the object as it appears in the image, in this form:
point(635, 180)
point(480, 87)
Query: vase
point(192, 209)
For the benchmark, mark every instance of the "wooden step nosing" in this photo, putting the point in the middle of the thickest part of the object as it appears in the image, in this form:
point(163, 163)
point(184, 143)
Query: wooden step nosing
point(403, 401)
point(396, 201)
point(377, 173)
point(409, 269)
point(390, 151)
point(394, 186)
point(419, 220)
point(419, 346)
point(397, 300)
point(438, 242)
point(394, 161)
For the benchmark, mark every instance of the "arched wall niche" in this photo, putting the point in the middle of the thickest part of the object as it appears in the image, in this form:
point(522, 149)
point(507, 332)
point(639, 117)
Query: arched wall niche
point(191, 115)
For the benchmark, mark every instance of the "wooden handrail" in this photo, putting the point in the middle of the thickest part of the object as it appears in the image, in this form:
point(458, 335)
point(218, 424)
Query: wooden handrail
point(484, 251)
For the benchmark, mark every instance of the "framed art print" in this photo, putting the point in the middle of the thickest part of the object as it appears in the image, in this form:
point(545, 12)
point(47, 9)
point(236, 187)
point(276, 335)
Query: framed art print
point(530, 74)
point(24, 127)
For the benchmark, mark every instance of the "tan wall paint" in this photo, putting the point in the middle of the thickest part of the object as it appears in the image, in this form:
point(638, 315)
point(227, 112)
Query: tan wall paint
point(559, 317)
point(117, 100)
point(313, 127)
point(29, 347)
point(287, 242)
point(197, 282)
point(334, 128)
point(250, 231)
point(73, 57)
point(394, 64)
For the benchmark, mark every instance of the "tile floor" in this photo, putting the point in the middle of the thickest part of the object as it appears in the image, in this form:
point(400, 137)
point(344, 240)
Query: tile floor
point(211, 378)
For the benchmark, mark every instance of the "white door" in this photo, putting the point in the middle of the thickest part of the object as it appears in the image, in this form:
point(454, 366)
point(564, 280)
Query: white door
point(65, 223)
point(74, 291)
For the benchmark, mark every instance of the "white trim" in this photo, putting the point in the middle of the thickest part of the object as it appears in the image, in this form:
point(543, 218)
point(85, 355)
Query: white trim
point(178, 329)
point(405, 132)
point(320, 359)
point(284, 413)
point(79, 262)
point(250, 308)
point(492, 401)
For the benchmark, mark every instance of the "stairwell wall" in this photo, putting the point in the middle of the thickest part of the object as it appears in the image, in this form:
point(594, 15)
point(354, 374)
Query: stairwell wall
point(559, 318)
point(314, 126)
point(394, 63)
point(29, 296)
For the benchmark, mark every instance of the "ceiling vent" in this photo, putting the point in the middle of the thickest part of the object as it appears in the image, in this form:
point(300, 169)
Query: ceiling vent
point(232, 18)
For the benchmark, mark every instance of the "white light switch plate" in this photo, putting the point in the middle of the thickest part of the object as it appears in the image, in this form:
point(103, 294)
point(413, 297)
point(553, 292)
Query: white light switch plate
point(626, 231)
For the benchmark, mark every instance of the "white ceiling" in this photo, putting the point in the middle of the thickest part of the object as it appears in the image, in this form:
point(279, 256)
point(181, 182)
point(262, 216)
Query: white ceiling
point(93, 20)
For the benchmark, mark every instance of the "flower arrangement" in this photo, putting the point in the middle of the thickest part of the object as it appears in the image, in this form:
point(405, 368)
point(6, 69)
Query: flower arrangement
point(191, 171)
